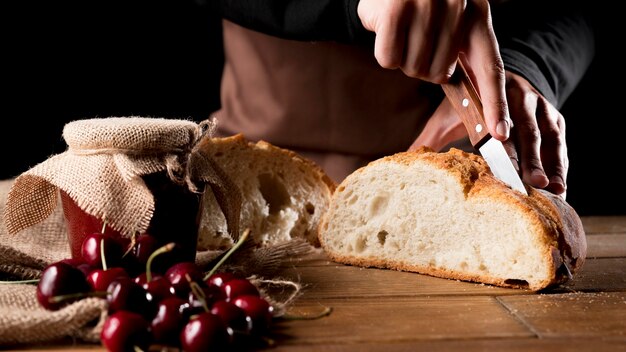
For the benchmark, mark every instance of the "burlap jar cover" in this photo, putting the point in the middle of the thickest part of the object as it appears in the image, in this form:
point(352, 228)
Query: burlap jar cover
point(102, 171)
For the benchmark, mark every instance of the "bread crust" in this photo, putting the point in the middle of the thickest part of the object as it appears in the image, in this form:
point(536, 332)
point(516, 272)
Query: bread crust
point(556, 224)
point(240, 141)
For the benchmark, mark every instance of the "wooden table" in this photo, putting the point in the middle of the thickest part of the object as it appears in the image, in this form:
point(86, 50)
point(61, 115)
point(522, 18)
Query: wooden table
point(383, 310)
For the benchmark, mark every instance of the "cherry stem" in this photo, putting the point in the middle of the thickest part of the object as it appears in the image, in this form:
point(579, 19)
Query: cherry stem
point(198, 292)
point(242, 239)
point(33, 281)
point(168, 247)
point(104, 227)
point(61, 298)
point(104, 261)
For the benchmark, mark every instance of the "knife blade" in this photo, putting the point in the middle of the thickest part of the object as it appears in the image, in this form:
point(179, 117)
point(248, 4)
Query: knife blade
point(466, 101)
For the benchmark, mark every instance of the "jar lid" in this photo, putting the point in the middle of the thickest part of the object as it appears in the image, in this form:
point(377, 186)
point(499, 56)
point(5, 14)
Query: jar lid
point(128, 134)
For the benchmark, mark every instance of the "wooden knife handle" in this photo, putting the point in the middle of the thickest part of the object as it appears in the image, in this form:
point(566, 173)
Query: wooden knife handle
point(465, 100)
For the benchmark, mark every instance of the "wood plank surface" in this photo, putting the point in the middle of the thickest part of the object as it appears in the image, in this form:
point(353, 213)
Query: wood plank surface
point(473, 345)
point(606, 245)
point(388, 311)
point(604, 224)
point(343, 281)
point(599, 275)
point(571, 315)
point(364, 320)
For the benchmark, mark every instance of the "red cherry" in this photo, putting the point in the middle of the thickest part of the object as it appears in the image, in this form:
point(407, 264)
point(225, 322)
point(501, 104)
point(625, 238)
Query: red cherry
point(91, 250)
point(100, 279)
point(125, 294)
point(179, 276)
point(145, 245)
point(159, 288)
point(137, 258)
point(258, 309)
point(239, 287)
point(205, 332)
point(79, 264)
point(233, 316)
point(169, 321)
point(218, 279)
point(123, 331)
point(63, 281)
point(141, 279)
point(202, 297)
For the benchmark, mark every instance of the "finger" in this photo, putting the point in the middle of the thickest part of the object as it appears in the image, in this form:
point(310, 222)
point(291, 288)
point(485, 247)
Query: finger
point(527, 136)
point(486, 67)
point(451, 37)
point(422, 27)
point(511, 150)
point(553, 147)
point(389, 44)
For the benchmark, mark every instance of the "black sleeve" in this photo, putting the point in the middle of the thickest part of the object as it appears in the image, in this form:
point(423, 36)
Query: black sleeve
point(550, 43)
point(314, 20)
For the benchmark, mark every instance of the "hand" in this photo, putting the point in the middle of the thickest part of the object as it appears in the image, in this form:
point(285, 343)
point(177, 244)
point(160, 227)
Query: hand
point(537, 140)
point(538, 136)
point(424, 38)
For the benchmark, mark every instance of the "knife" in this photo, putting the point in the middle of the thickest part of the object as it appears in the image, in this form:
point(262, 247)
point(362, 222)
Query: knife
point(465, 100)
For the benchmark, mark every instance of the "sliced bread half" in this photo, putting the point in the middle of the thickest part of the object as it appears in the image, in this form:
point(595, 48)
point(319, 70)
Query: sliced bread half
point(283, 194)
point(446, 215)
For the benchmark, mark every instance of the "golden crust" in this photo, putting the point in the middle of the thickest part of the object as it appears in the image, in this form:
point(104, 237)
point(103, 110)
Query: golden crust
point(314, 168)
point(241, 142)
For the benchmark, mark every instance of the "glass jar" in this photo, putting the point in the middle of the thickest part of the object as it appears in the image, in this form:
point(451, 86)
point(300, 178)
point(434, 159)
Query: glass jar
point(175, 219)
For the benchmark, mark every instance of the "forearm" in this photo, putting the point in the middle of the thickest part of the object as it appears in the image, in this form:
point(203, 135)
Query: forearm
point(313, 20)
point(550, 43)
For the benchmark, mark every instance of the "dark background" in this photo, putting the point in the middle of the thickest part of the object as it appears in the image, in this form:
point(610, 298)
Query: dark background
point(70, 60)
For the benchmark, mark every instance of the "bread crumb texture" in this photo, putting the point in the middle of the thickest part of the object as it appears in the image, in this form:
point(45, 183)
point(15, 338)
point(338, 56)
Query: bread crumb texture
point(444, 214)
point(284, 195)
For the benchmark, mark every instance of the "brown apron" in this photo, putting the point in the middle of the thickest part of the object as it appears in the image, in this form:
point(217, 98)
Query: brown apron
point(330, 102)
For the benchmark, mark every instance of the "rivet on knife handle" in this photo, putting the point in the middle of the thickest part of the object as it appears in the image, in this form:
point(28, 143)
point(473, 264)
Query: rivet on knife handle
point(463, 97)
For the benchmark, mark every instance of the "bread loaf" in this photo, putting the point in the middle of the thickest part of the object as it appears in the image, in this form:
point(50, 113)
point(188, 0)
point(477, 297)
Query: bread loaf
point(446, 215)
point(283, 194)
